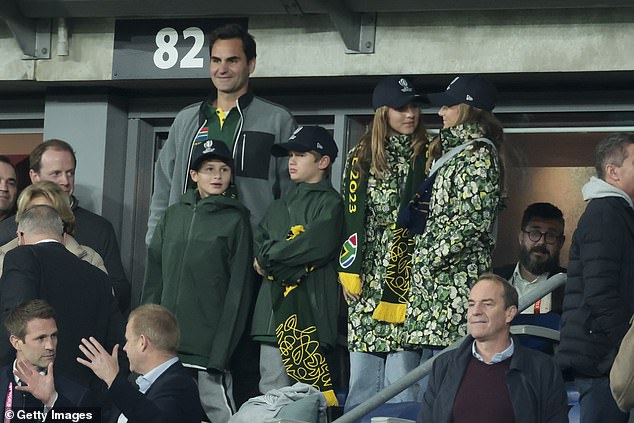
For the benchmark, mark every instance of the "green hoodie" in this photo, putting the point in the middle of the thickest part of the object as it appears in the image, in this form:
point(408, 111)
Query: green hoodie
point(198, 266)
point(318, 209)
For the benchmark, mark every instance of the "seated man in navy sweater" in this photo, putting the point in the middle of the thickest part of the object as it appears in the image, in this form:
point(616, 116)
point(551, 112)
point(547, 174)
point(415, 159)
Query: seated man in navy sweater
point(489, 378)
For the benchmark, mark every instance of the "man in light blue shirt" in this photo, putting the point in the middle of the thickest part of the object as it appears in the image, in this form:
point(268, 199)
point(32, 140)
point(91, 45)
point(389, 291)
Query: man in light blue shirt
point(491, 378)
point(166, 391)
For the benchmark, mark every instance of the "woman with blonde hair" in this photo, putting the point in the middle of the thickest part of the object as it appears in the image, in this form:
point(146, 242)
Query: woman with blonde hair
point(381, 175)
point(463, 190)
point(50, 194)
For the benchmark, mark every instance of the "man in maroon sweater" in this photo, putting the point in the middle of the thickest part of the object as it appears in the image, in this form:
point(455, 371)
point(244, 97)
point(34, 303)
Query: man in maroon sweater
point(490, 378)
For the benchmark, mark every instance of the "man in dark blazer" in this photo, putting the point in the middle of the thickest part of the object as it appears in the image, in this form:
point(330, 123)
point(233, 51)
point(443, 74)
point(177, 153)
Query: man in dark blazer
point(541, 237)
point(33, 334)
point(81, 294)
point(166, 390)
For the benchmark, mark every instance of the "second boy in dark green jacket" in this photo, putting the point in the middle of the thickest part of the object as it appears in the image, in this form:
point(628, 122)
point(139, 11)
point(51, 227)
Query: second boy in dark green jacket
point(297, 244)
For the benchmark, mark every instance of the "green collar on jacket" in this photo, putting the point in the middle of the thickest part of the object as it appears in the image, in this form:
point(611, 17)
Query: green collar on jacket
point(227, 199)
point(459, 134)
point(323, 185)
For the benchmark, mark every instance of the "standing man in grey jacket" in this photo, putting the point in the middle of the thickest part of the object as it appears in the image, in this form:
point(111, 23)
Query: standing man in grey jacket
point(249, 125)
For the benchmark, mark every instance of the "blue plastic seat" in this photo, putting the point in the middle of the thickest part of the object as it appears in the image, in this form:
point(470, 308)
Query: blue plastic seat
point(546, 320)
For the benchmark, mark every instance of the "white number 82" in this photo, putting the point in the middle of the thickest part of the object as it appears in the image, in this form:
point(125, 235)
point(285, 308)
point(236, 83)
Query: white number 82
point(166, 55)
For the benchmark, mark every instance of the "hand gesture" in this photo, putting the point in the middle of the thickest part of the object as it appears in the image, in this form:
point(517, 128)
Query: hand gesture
point(103, 364)
point(257, 267)
point(40, 386)
point(349, 296)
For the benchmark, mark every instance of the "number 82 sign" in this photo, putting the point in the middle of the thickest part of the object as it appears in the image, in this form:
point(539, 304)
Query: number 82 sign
point(166, 53)
point(164, 49)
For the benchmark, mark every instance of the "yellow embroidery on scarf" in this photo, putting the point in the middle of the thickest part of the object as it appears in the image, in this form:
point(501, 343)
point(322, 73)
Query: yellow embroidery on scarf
point(301, 356)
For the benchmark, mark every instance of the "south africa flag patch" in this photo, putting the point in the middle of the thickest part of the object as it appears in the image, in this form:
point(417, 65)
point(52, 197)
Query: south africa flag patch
point(348, 252)
point(202, 135)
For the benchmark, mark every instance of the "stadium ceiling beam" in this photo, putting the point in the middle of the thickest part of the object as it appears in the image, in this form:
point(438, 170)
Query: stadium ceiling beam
point(32, 35)
point(357, 30)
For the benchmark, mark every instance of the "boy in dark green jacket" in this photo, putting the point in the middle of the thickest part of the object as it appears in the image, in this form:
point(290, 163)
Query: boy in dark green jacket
point(198, 267)
point(297, 243)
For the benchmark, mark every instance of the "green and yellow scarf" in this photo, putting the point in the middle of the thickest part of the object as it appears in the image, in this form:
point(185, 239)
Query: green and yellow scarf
point(397, 283)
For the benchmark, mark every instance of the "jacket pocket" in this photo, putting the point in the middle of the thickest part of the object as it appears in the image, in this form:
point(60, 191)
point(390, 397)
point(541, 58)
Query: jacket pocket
point(253, 154)
point(590, 325)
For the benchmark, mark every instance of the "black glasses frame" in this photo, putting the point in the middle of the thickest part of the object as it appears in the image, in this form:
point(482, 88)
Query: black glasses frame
point(535, 235)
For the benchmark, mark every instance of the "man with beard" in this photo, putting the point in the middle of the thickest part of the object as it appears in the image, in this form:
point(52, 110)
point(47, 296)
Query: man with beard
point(541, 237)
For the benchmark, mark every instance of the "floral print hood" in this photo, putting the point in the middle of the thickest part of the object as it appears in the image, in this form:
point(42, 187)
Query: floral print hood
point(459, 134)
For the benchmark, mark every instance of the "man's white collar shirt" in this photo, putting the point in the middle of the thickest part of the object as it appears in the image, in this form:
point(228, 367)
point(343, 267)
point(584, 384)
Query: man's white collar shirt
point(523, 287)
point(497, 357)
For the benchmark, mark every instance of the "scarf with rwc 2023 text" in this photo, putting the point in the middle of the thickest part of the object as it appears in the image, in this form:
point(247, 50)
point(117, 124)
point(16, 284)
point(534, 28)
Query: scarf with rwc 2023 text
point(396, 285)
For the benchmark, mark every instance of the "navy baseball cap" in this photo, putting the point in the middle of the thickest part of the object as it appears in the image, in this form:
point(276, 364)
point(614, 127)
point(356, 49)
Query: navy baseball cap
point(473, 90)
point(210, 149)
point(395, 92)
point(308, 138)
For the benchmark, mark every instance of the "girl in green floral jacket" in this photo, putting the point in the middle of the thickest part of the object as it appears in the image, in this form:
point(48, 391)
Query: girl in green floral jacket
point(457, 241)
point(381, 174)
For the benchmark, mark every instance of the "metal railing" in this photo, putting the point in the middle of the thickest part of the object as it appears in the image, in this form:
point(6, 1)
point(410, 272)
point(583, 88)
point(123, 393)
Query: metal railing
point(424, 369)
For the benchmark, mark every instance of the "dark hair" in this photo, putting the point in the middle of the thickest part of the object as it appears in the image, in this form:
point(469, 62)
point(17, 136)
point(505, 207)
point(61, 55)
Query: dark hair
point(35, 158)
point(510, 293)
point(19, 318)
point(612, 150)
point(231, 31)
point(5, 159)
point(543, 211)
point(158, 324)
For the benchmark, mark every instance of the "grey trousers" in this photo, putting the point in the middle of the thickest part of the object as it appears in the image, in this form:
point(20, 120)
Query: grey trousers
point(272, 372)
point(216, 395)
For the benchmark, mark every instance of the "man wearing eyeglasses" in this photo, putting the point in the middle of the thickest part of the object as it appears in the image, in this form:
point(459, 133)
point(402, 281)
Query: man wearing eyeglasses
point(541, 237)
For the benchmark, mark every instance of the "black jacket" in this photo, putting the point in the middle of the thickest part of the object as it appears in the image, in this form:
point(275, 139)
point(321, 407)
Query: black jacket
point(173, 397)
point(599, 297)
point(507, 270)
point(534, 381)
point(70, 394)
point(97, 233)
point(82, 298)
